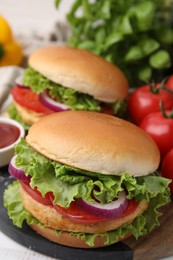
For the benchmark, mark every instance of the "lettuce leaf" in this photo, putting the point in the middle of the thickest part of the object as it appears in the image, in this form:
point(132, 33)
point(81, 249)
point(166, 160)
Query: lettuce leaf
point(74, 99)
point(12, 201)
point(139, 227)
point(71, 97)
point(68, 183)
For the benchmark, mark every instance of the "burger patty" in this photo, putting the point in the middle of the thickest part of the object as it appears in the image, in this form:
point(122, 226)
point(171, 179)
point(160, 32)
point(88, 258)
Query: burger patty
point(52, 219)
point(29, 116)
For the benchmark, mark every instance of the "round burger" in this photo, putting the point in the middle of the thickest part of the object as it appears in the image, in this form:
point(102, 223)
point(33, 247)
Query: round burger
point(61, 78)
point(86, 179)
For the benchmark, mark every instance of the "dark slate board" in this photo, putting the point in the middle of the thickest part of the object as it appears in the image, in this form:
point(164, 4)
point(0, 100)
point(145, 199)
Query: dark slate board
point(28, 238)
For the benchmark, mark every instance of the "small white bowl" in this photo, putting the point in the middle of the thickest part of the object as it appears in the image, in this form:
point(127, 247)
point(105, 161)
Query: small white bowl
point(7, 152)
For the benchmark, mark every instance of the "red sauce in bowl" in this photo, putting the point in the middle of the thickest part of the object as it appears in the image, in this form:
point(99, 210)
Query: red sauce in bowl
point(8, 134)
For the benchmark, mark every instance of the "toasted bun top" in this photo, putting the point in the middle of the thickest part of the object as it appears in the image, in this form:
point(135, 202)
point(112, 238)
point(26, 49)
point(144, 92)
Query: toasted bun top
point(80, 70)
point(95, 142)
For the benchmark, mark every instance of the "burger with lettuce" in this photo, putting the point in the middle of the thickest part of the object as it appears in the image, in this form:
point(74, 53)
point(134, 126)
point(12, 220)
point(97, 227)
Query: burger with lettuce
point(60, 78)
point(86, 179)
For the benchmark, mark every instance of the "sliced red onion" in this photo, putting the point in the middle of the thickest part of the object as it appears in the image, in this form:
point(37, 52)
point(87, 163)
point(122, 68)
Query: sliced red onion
point(19, 82)
point(110, 210)
point(17, 172)
point(51, 103)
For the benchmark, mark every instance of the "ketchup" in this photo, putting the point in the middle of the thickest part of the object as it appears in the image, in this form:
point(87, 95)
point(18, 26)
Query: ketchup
point(8, 134)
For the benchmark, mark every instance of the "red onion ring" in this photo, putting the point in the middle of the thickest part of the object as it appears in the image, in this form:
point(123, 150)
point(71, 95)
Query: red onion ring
point(17, 172)
point(51, 103)
point(110, 210)
point(19, 82)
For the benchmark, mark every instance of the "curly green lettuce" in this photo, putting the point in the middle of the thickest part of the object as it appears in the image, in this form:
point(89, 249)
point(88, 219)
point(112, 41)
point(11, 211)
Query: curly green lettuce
point(68, 183)
point(71, 97)
point(74, 99)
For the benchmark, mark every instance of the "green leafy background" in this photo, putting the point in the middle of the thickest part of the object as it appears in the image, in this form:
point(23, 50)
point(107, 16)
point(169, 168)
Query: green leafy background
point(136, 35)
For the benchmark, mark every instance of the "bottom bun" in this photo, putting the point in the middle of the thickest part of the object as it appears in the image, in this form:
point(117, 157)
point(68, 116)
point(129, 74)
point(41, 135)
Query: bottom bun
point(68, 239)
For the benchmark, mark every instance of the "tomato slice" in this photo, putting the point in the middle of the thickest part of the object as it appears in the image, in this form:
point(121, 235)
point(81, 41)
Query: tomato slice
point(106, 110)
point(133, 204)
point(74, 213)
point(27, 98)
point(35, 194)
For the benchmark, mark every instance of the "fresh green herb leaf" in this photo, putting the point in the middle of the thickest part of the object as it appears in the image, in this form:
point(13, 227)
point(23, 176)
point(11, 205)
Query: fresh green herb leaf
point(57, 2)
point(127, 33)
point(160, 60)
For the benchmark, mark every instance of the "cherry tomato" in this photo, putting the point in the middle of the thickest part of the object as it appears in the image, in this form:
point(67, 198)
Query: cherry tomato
point(27, 98)
point(160, 129)
point(144, 101)
point(167, 168)
point(169, 82)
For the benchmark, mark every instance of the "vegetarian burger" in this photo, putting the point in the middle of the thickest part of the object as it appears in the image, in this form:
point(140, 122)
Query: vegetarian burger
point(62, 78)
point(86, 179)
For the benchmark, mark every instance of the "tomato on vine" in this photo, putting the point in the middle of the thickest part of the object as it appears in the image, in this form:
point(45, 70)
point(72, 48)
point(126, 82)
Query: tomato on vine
point(167, 168)
point(159, 125)
point(169, 82)
point(146, 99)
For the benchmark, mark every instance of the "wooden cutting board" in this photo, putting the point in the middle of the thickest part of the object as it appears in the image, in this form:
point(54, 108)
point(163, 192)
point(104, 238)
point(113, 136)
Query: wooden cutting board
point(159, 243)
point(156, 245)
